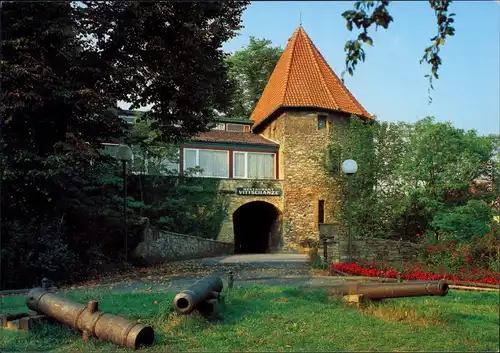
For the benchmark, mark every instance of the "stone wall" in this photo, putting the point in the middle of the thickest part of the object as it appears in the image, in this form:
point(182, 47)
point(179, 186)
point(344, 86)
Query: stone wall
point(303, 176)
point(160, 246)
point(370, 249)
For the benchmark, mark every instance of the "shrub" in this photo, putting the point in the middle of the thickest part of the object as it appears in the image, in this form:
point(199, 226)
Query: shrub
point(35, 250)
point(483, 251)
point(462, 223)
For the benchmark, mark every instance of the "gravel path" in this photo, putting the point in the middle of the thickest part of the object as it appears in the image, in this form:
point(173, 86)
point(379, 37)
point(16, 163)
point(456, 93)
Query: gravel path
point(279, 269)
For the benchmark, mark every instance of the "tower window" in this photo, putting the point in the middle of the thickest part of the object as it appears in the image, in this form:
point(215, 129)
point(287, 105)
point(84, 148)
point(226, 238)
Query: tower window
point(329, 125)
point(321, 122)
point(321, 211)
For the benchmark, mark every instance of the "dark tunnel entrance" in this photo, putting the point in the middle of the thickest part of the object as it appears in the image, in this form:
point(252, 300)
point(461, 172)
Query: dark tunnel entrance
point(257, 228)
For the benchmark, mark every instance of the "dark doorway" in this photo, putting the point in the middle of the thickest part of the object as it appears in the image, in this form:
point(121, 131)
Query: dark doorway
point(257, 228)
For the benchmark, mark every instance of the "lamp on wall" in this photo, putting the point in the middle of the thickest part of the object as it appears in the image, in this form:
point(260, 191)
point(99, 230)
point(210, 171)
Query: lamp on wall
point(349, 167)
point(124, 153)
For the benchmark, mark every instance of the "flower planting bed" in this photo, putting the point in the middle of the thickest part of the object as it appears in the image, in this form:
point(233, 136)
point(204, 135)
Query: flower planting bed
point(472, 275)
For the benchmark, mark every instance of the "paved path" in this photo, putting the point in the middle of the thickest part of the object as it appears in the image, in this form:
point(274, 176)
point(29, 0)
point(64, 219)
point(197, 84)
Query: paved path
point(279, 269)
point(288, 260)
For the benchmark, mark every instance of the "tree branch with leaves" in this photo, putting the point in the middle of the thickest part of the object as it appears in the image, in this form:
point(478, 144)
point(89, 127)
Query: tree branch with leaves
point(367, 14)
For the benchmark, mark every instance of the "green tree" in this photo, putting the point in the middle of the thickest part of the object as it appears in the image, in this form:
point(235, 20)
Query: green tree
point(63, 67)
point(53, 122)
point(369, 14)
point(250, 69)
point(378, 148)
point(443, 163)
point(415, 178)
point(168, 54)
point(463, 223)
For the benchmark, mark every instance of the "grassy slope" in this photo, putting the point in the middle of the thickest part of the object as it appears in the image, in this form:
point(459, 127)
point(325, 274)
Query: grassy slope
point(285, 319)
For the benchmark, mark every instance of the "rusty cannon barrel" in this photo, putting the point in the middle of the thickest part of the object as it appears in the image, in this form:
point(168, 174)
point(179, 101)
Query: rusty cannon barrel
point(89, 320)
point(393, 290)
point(203, 291)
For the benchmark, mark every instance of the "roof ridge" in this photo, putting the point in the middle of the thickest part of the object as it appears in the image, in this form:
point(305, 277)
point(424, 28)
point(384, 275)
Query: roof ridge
point(316, 65)
point(297, 82)
point(340, 82)
point(289, 63)
point(267, 138)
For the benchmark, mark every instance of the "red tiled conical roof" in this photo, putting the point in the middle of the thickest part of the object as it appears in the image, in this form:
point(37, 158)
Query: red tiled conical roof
point(302, 78)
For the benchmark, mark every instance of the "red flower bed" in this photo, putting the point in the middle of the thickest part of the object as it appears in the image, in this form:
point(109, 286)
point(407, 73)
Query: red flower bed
point(417, 273)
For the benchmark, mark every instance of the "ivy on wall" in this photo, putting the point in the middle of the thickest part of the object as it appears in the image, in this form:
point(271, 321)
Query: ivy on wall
point(184, 205)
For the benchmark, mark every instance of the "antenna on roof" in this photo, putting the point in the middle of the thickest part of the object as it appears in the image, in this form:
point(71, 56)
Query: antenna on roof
point(300, 18)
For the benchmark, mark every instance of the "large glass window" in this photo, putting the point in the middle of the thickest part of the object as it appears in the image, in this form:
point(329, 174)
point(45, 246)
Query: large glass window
point(235, 127)
point(214, 163)
point(254, 165)
point(162, 163)
point(219, 126)
point(129, 119)
point(240, 166)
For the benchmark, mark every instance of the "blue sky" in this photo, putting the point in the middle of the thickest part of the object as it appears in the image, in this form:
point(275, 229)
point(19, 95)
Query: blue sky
point(391, 83)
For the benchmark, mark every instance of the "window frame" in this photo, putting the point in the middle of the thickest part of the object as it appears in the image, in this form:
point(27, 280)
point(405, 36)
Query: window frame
point(129, 119)
point(321, 211)
point(197, 161)
point(219, 127)
point(235, 124)
point(321, 117)
point(246, 164)
point(148, 160)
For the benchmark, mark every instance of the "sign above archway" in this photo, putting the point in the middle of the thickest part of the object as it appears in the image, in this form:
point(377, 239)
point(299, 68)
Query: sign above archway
point(258, 191)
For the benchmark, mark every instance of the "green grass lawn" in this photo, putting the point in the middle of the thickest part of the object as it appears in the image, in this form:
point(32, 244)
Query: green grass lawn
point(286, 319)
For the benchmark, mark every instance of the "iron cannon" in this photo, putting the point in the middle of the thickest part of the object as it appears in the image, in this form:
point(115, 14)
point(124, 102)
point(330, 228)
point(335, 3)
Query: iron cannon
point(376, 291)
point(89, 320)
point(200, 296)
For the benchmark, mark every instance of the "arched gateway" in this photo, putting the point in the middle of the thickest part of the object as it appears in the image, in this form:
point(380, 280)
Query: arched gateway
point(257, 228)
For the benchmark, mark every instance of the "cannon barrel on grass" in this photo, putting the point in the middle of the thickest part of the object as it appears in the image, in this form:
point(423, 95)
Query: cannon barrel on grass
point(89, 320)
point(200, 296)
point(392, 290)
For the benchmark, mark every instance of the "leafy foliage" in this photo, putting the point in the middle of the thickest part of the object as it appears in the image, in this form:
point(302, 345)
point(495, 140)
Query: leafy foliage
point(63, 68)
point(416, 178)
point(463, 222)
point(250, 68)
point(369, 13)
point(167, 54)
point(183, 205)
point(378, 149)
point(478, 252)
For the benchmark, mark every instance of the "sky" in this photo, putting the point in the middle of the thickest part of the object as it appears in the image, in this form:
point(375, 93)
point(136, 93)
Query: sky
point(391, 82)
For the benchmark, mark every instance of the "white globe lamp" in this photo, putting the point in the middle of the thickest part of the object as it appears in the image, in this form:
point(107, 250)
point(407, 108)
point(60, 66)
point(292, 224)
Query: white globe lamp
point(349, 166)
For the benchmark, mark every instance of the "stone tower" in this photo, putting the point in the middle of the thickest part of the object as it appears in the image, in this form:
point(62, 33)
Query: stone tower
point(303, 103)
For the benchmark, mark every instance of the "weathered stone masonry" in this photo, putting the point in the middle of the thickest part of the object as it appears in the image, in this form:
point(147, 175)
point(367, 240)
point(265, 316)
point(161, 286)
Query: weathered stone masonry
point(304, 179)
point(370, 249)
point(228, 187)
point(160, 246)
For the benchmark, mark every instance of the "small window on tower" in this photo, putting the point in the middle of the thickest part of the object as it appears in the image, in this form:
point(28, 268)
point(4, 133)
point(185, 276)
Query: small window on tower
point(321, 211)
point(321, 122)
